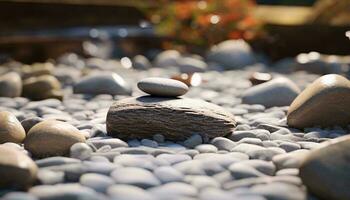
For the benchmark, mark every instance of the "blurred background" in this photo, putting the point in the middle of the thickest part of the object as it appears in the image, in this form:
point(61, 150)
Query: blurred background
point(38, 30)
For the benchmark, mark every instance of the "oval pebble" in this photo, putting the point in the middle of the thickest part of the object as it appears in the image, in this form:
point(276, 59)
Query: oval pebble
point(162, 87)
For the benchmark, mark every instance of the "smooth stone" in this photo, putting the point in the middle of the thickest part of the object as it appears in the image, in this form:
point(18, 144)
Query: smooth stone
point(54, 161)
point(232, 54)
point(140, 161)
point(202, 182)
point(168, 174)
point(63, 191)
point(135, 176)
point(141, 117)
point(191, 65)
point(206, 148)
point(174, 189)
point(288, 172)
point(277, 92)
point(149, 143)
point(42, 87)
point(289, 160)
point(10, 85)
point(28, 123)
point(257, 78)
point(329, 166)
point(159, 138)
point(104, 83)
point(128, 192)
point(174, 158)
point(266, 154)
point(167, 58)
point(223, 143)
point(241, 171)
point(19, 196)
point(140, 62)
point(280, 191)
point(265, 167)
point(112, 142)
point(323, 103)
point(98, 182)
point(11, 129)
point(162, 87)
point(48, 177)
point(37, 69)
point(52, 138)
point(80, 151)
point(256, 133)
point(17, 170)
point(193, 141)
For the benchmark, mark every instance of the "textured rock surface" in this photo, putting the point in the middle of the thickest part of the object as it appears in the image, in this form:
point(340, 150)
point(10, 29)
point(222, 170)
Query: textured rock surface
point(326, 171)
point(324, 103)
point(10, 85)
point(162, 87)
point(176, 119)
point(16, 169)
point(11, 129)
point(50, 138)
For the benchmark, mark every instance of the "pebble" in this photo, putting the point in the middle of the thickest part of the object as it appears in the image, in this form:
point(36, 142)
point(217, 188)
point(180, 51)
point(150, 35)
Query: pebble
point(193, 141)
point(168, 58)
point(104, 83)
point(241, 171)
point(55, 161)
point(52, 138)
point(320, 103)
point(202, 182)
point(11, 129)
point(149, 143)
point(17, 170)
point(112, 142)
point(162, 87)
point(265, 167)
point(277, 92)
point(28, 123)
point(128, 192)
point(174, 189)
point(167, 174)
point(174, 158)
point(206, 148)
point(257, 78)
point(256, 133)
point(140, 62)
point(135, 176)
point(80, 151)
point(280, 191)
point(10, 85)
point(42, 87)
point(289, 160)
point(191, 65)
point(232, 54)
point(63, 191)
point(328, 165)
point(222, 143)
point(48, 177)
point(98, 182)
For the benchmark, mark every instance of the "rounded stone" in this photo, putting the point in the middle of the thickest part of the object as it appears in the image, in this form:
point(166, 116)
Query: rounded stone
point(42, 87)
point(80, 151)
point(277, 92)
point(98, 182)
point(17, 170)
point(162, 87)
point(10, 85)
point(128, 192)
point(330, 166)
point(11, 129)
point(28, 123)
point(135, 176)
point(103, 83)
point(52, 138)
point(323, 103)
point(176, 119)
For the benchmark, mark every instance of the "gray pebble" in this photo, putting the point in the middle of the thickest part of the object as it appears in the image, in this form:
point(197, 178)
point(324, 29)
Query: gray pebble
point(193, 141)
point(128, 192)
point(174, 189)
point(98, 182)
point(206, 148)
point(279, 191)
point(168, 174)
point(162, 87)
point(80, 151)
point(223, 143)
point(149, 143)
point(135, 176)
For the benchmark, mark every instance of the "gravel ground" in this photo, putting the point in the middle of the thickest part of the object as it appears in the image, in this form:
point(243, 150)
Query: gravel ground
point(259, 161)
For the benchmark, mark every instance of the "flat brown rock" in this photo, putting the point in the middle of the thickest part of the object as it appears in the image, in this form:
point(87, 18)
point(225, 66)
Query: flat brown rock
point(175, 118)
point(326, 102)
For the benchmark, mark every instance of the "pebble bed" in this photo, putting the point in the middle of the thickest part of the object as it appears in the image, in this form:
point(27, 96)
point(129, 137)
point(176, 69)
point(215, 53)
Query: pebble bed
point(258, 162)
